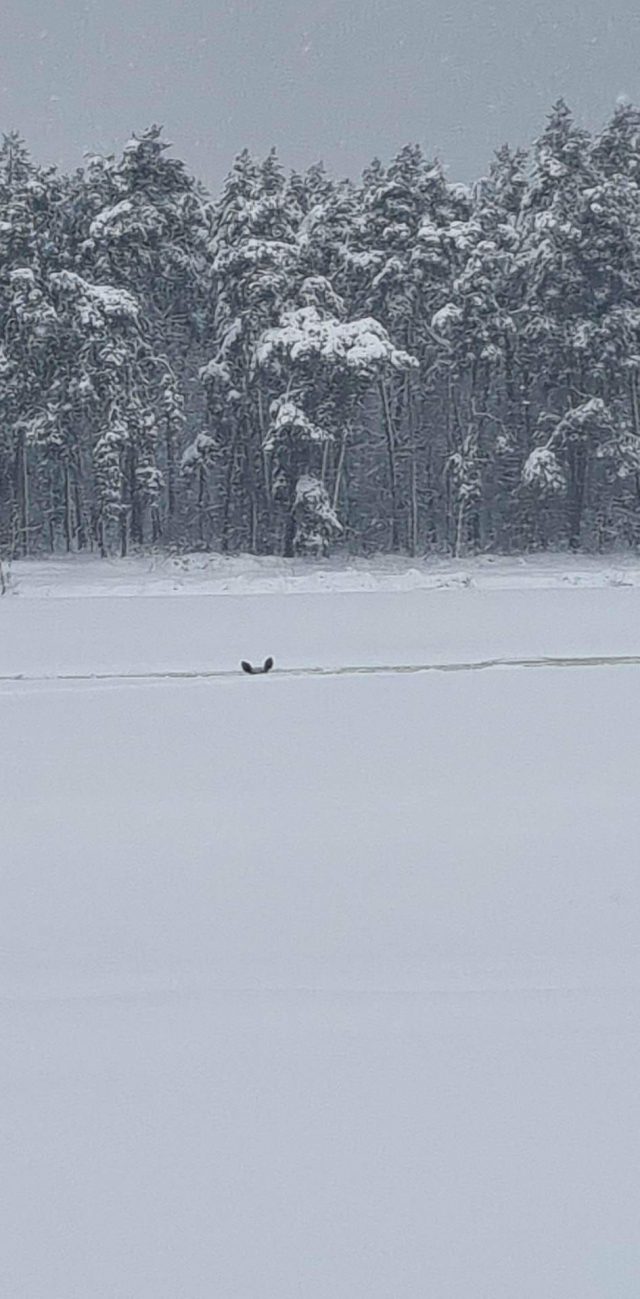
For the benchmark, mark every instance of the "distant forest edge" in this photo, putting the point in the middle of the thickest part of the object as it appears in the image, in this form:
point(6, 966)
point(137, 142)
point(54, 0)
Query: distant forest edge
point(402, 364)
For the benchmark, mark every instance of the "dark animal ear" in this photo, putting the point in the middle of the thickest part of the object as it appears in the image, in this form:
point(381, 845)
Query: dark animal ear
point(268, 664)
point(246, 667)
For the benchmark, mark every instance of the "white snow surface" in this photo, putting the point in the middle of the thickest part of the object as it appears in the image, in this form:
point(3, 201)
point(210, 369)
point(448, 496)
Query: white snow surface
point(314, 985)
point(214, 574)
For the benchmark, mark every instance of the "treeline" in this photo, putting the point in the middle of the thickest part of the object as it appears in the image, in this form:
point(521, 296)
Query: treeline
point(399, 364)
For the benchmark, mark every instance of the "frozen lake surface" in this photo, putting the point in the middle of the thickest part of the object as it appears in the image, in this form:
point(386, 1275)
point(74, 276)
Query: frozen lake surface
point(320, 986)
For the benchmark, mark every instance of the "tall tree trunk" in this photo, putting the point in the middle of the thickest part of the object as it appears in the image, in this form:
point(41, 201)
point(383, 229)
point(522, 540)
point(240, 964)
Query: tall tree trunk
point(635, 403)
point(137, 518)
point(325, 462)
point(81, 528)
point(293, 474)
point(170, 446)
point(391, 459)
point(228, 488)
point(340, 467)
point(413, 470)
point(578, 480)
point(68, 528)
point(135, 499)
point(124, 516)
point(202, 504)
point(459, 541)
point(23, 541)
point(52, 513)
point(264, 461)
point(250, 480)
point(156, 525)
point(288, 546)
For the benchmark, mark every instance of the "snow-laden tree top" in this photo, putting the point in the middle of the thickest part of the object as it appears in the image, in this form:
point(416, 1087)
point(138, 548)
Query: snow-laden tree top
point(362, 346)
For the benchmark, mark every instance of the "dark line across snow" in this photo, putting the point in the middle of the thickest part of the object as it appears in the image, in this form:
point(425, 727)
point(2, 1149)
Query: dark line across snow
point(378, 669)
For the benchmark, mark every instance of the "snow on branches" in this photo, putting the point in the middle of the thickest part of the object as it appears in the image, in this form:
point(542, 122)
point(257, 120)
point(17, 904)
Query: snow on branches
point(305, 336)
point(288, 420)
point(317, 523)
point(543, 471)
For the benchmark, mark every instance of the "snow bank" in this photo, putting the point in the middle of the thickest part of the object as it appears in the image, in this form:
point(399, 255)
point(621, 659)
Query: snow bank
point(247, 574)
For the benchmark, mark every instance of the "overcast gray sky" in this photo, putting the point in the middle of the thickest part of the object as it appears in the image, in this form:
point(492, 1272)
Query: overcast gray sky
point(338, 79)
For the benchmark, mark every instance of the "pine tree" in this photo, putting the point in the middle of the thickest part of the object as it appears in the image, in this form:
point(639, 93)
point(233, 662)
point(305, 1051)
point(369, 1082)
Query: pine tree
point(254, 273)
point(580, 244)
point(29, 208)
point(150, 234)
point(324, 367)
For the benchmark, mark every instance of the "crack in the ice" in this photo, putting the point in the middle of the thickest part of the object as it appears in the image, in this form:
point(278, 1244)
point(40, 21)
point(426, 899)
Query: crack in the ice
point(374, 669)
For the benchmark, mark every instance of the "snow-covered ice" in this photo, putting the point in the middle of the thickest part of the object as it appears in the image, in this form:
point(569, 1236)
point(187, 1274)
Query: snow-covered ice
point(320, 986)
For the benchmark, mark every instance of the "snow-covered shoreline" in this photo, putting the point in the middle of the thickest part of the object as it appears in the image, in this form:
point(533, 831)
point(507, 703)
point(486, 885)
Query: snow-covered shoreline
point(196, 574)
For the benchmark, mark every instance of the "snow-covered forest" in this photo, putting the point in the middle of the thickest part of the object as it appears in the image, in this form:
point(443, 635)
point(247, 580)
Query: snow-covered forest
point(302, 363)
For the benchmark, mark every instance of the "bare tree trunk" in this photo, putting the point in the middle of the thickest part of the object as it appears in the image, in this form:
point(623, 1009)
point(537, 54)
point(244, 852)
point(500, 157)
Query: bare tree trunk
point(124, 518)
point(452, 423)
point(325, 462)
point(67, 505)
point(202, 501)
point(253, 535)
point(293, 473)
point(21, 478)
point(264, 459)
point(459, 531)
point(340, 467)
point(137, 518)
point(635, 403)
point(81, 529)
point(228, 488)
point(252, 490)
point(288, 545)
point(391, 457)
point(413, 470)
point(52, 513)
point(26, 498)
point(171, 472)
point(578, 472)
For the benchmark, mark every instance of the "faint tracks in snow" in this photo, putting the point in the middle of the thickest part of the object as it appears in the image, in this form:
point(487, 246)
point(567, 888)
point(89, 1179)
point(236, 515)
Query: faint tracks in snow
point(348, 670)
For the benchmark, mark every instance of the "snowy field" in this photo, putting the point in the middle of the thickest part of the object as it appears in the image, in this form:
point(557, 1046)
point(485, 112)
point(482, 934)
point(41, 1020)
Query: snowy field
point(322, 985)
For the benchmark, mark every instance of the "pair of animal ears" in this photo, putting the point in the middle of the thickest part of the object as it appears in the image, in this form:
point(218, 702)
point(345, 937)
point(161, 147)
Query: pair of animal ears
point(248, 667)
